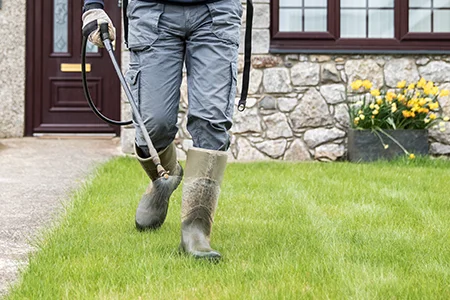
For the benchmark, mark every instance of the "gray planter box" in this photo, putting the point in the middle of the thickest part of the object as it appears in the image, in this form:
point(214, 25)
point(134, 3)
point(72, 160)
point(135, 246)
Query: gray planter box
point(364, 145)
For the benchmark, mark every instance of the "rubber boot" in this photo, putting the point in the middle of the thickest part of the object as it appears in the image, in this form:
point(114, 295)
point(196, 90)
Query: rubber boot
point(152, 209)
point(201, 188)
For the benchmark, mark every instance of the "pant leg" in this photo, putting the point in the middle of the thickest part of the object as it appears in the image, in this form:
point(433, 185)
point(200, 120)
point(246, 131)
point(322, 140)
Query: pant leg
point(156, 42)
point(211, 61)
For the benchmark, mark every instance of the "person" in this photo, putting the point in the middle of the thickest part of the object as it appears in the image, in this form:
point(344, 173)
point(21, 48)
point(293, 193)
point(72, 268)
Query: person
point(162, 36)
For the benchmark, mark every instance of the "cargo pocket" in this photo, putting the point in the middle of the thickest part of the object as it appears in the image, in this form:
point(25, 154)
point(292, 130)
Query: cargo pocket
point(226, 20)
point(132, 78)
point(143, 24)
point(233, 87)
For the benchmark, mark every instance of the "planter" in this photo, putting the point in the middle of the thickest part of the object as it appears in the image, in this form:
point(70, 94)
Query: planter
point(364, 145)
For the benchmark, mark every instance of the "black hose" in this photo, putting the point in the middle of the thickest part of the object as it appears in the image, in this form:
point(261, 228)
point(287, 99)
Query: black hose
point(87, 94)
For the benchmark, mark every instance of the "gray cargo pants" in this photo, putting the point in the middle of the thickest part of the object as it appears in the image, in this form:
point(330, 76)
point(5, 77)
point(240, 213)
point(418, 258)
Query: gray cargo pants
point(205, 37)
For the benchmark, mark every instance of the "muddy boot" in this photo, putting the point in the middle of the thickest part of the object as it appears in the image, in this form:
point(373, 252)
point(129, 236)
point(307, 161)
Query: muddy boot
point(201, 188)
point(152, 209)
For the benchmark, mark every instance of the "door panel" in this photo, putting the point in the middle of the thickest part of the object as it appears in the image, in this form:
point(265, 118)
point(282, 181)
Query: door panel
point(55, 99)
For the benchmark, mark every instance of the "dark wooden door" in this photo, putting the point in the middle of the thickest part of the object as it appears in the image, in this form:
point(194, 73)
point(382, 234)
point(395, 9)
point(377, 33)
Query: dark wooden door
point(55, 101)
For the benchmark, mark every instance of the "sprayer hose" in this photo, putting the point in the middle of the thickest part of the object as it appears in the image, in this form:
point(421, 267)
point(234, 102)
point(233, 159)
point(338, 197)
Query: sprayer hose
point(87, 94)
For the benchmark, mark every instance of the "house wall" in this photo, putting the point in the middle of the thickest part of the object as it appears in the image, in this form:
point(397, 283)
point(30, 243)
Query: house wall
point(12, 68)
point(296, 109)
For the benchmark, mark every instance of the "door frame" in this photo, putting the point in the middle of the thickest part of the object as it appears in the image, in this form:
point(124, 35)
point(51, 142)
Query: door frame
point(33, 49)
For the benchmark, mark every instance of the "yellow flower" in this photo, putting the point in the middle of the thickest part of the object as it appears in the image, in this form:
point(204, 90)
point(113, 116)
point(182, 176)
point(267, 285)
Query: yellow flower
point(367, 84)
point(375, 112)
point(442, 124)
point(411, 86)
point(433, 106)
point(360, 112)
point(430, 84)
point(356, 85)
point(401, 97)
point(433, 117)
point(426, 120)
point(375, 92)
point(423, 101)
point(386, 146)
point(412, 156)
point(401, 84)
point(362, 117)
point(372, 105)
point(446, 119)
point(444, 93)
point(422, 82)
point(379, 100)
point(390, 96)
point(394, 108)
point(356, 121)
point(435, 91)
point(406, 114)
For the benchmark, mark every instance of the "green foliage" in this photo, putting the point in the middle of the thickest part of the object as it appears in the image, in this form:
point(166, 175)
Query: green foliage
point(286, 231)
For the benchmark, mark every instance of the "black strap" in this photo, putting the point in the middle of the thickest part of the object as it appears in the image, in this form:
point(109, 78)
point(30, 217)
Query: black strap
point(247, 56)
point(125, 21)
point(247, 49)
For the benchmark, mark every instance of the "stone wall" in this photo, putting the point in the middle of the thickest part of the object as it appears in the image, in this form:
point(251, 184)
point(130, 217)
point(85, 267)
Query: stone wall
point(12, 68)
point(296, 106)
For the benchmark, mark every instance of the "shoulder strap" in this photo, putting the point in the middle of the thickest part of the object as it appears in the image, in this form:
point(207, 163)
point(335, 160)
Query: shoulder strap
point(247, 56)
point(125, 21)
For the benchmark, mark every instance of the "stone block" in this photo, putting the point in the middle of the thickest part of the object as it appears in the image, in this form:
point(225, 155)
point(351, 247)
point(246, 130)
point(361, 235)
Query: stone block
point(400, 69)
point(333, 93)
point(305, 74)
point(312, 111)
point(276, 80)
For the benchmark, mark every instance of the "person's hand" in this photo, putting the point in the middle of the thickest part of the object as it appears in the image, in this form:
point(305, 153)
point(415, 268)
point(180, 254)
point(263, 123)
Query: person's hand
point(92, 18)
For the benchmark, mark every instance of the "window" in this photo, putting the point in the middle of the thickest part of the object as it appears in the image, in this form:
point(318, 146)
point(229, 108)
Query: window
point(361, 26)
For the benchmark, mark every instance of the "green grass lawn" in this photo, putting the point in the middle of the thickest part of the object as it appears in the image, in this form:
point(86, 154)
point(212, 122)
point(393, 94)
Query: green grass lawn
point(286, 231)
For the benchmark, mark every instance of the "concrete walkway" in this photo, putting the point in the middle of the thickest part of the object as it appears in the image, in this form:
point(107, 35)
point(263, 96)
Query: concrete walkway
point(36, 175)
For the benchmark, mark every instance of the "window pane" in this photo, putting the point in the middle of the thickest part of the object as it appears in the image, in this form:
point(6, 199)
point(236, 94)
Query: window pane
point(315, 20)
point(381, 3)
point(381, 23)
point(419, 3)
point(91, 48)
point(60, 26)
point(442, 3)
point(353, 3)
point(291, 20)
point(291, 3)
point(353, 23)
point(420, 20)
point(442, 21)
point(316, 3)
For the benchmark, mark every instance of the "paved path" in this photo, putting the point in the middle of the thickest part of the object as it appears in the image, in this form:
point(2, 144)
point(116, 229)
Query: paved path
point(35, 178)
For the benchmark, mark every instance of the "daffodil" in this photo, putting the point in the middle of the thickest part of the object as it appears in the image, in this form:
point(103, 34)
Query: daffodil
point(375, 112)
point(432, 117)
point(412, 86)
point(375, 92)
point(444, 93)
point(412, 156)
point(434, 105)
point(379, 100)
point(401, 84)
point(446, 119)
point(422, 82)
point(372, 105)
point(394, 108)
point(367, 84)
point(362, 117)
point(356, 85)
point(426, 120)
point(386, 146)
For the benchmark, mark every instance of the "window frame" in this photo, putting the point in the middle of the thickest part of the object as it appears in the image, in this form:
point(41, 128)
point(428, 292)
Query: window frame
point(328, 42)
